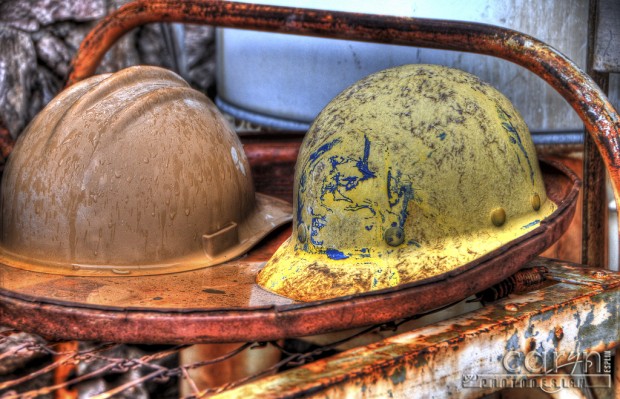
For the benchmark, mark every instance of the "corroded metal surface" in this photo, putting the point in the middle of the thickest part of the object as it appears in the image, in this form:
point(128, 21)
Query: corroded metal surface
point(600, 118)
point(224, 304)
point(577, 316)
point(596, 209)
point(522, 281)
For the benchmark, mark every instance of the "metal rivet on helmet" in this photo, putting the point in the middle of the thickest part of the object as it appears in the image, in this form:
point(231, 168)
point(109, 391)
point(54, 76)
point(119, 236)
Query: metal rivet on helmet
point(498, 217)
point(394, 236)
point(536, 202)
point(132, 172)
point(301, 233)
point(398, 176)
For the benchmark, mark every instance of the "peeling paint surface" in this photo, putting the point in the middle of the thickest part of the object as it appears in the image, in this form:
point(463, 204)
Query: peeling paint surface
point(435, 361)
point(397, 180)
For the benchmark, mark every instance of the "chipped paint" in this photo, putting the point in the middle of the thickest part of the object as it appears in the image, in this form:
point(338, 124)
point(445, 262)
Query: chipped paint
point(513, 342)
point(334, 254)
point(515, 138)
point(323, 149)
point(531, 224)
point(363, 181)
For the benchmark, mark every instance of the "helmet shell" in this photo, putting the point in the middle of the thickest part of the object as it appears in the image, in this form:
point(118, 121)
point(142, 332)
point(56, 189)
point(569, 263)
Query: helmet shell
point(132, 172)
point(407, 174)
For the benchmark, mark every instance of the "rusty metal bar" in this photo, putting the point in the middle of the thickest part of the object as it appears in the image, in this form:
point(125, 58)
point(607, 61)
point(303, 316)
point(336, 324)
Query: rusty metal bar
point(451, 357)
point(595, 209)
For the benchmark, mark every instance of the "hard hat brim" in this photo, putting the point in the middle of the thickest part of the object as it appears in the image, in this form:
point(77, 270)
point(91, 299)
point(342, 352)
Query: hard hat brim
point(268, 214)
point(302, 276)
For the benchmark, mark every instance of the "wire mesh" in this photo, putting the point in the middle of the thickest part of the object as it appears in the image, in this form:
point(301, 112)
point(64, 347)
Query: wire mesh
point(107, 361)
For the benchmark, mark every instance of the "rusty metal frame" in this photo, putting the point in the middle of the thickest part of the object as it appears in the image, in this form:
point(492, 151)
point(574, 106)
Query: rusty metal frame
point(578, 89)
point(586, 309)
point(449, 359)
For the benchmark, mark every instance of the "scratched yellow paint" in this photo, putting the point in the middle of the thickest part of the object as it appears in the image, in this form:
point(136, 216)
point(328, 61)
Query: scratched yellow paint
point(397, 180)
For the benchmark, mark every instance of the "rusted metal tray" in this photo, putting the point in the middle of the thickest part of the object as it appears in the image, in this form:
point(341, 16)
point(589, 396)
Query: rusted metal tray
point(224, 304)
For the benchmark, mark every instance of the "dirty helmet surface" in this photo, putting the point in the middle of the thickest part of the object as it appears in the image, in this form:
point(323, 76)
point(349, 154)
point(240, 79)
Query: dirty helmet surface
point(406, 175)
point(130, 173)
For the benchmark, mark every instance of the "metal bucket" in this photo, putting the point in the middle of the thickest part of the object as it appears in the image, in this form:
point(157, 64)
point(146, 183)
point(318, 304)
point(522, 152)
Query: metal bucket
point(283, 81)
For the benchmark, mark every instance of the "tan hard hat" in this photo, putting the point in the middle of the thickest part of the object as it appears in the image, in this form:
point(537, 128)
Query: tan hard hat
point(130, 173)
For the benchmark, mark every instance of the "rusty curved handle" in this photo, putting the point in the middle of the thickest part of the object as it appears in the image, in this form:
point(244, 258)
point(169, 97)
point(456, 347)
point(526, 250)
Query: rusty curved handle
point(590, 103)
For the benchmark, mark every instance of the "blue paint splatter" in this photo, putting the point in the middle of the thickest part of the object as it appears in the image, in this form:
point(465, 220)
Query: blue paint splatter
point(338, 183)
point(442, 136)
point(318, 222)
point(301, 190)
point(529, 332)
point(362, 164)
point(513, 343)
point(334, 254)
point(399, 192)
point(515, 138)
point(368, 228)
point(357, 207)
point(323, 149)
point(334, 181)
point(414, 242)
point(530, 224)
point(578, 318)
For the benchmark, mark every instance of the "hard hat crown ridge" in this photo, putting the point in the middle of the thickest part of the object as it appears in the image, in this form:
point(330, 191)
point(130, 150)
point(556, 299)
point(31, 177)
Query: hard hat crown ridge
point(130, 173)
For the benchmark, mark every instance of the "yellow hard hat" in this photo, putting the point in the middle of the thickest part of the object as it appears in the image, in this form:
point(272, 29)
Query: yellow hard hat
point(130, 173)
point(407, 174)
